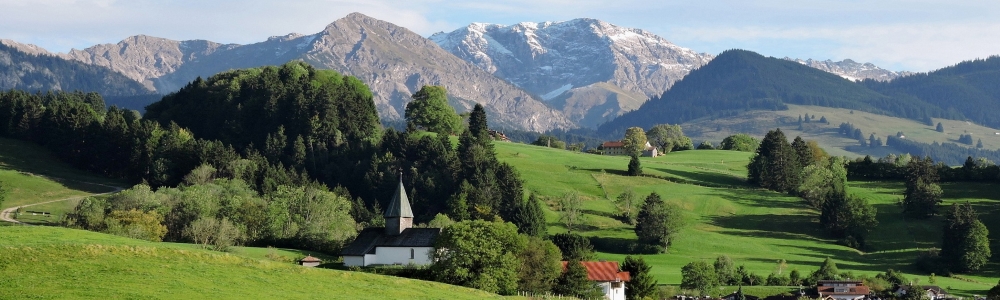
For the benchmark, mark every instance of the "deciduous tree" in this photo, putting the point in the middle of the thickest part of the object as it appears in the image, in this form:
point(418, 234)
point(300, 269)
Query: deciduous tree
point(658, 222)
point(430, 110)
point(699, 276)
point(479, 254)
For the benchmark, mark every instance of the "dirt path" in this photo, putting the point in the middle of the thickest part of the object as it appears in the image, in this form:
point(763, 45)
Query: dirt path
point(7, 214)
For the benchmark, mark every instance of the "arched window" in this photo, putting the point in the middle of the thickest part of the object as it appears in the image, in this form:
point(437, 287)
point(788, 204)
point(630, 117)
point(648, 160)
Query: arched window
point(411, 253)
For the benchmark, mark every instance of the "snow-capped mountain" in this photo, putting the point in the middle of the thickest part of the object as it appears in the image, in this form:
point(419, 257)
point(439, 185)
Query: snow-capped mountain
point(591, 70)
point(852, 70)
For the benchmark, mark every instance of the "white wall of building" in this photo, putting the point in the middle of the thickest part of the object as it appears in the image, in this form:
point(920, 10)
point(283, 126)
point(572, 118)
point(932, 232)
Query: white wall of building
point(401, 255)
point(613, 290)
point(354, 261)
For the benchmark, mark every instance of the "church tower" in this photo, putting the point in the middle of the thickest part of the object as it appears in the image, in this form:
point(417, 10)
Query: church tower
point(398, 216)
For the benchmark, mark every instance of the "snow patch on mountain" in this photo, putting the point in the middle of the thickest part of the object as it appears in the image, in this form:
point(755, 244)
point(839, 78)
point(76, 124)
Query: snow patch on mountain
point(557, 92)
point(851, 70)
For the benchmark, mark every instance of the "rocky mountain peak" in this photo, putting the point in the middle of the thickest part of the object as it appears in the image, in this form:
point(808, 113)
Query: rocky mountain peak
point(851, 70)
point(576, 65)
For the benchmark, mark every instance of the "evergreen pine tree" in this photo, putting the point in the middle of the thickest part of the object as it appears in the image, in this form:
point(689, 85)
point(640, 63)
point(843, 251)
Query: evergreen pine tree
point(965, 244)
point(775, 165)
point(641, 284)
point(803, 152)
point(634, 166)
point(530, 218)
point(574, 282)
point(979, 144)
point(922, 193)
point(940, 128)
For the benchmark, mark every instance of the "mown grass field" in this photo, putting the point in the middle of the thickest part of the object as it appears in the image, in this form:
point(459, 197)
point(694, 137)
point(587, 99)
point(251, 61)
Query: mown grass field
point(40, 262)
point(754, 227)
point(31, 174)
point(757, 123)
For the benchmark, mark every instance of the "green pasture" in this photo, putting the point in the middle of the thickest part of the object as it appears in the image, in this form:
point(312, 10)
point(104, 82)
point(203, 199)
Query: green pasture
point(754, 227)
point(40, 262)
point(32, 174)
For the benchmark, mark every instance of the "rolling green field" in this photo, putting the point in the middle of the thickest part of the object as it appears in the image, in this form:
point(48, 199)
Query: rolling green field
point(31, 174)
point(754, 227)
point(39, 262)
point(757, 123)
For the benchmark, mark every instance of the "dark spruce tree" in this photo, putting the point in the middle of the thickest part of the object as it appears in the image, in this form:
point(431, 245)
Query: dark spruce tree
point(922, 193)
point(965, 244)
point(634, 166)
point(574, 282)
point(641, 284)
point(775, 165)
point(530, 219)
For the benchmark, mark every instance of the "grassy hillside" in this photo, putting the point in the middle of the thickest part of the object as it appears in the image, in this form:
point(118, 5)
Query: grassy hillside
point(47, 262)
point(754, 227)
point(32, 174)
point(757, 123)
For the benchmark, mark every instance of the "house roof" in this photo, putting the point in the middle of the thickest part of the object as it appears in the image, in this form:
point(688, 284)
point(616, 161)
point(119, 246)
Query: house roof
point(400, 205)
point(374, 237)
point(851, 290)
point(602, 271)
point(821, 282)
point(310, 258)
point(613, 144)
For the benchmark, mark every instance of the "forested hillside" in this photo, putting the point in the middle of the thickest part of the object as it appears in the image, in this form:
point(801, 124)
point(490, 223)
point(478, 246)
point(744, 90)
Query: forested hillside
point(740, 80)
point(970, 89)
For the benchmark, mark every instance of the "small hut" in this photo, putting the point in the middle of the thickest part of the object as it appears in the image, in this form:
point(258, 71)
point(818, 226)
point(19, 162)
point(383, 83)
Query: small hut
point(310, 261)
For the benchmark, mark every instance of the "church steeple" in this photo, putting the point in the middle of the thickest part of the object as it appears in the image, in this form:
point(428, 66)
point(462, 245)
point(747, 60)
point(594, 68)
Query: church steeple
point(398, 216)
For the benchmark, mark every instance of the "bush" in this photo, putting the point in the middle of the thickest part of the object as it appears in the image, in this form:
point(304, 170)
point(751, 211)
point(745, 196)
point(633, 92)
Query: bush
point(573, 246)
point(136, 224)
point(219, 234)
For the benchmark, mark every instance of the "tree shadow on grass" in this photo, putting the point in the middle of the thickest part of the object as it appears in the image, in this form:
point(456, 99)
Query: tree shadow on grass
point(705, 177)
point(759, 198)
point(787, 227)
point(617, 245)
point(609, 171)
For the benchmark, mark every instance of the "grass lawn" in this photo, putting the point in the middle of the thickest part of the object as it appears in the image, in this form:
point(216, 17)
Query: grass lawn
point(49, 262)
point(754, 227)
point(31, 174)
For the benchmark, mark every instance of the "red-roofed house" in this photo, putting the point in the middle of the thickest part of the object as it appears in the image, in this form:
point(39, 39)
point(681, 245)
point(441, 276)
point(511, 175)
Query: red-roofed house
point(842, 289)
point(607, 275)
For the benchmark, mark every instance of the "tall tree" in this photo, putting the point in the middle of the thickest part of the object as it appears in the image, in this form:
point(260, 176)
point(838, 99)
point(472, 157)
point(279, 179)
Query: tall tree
point(635, 141)
point(530, 219)
point(573, 246)
point(725, 270)
point(775, 165)
point(641, 284)
point(430, 110)
point(634, 166)
point(668, 138)
point(740, 142)
point(540, 266)
point(699, 276)
point(848, 217)
point(574, 282)
point(922, 193)
point(965, 244)
point(478, 126)
point(628, 205)
point(827, 271)
point(802, 151)
point(571, 210)
point(479, 254)
point(658, 222)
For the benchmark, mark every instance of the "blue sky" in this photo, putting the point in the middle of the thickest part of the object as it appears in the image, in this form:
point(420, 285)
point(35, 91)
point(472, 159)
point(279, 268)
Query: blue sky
point(898, 35)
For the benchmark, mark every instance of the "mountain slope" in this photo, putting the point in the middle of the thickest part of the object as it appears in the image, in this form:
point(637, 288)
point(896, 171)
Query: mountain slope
point(39, 71)
point(852, 70)
point(394, 61)
point(739, 80)
point(576, 65)
point(970, 88)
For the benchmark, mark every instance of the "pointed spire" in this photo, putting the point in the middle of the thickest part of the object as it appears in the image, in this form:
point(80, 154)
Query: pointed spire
point(400, 205)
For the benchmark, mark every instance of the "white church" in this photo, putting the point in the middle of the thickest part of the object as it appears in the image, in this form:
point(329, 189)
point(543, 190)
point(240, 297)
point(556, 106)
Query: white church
point(396, 244)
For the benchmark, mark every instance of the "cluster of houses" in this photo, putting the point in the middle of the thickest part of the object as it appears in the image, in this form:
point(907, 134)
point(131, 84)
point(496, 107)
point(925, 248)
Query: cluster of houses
point(844, 290)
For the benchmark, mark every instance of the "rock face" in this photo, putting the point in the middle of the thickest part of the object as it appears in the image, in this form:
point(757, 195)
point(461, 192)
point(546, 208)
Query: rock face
point(31, 68)
point(852, 70)
point(394, 61)
point(591, 70)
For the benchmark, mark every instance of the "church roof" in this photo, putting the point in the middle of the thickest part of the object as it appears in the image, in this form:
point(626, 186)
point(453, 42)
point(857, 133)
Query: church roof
point(374, 237)
point(400, 205)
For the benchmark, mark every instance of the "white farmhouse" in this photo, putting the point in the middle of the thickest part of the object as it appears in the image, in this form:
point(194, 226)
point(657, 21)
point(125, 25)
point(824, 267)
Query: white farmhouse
point(607, 275)
point(396, 244)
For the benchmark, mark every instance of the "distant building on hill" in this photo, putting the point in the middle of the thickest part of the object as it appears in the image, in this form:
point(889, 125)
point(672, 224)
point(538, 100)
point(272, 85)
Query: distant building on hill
point(607, 275)
point(310, 261)
point(618, 148)
point(398, 243)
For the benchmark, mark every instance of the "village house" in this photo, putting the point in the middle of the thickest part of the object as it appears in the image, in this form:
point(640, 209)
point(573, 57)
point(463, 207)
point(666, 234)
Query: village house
point(842, 289)
point(608, 277)
point(310, 261)
point(933, 292)
point(398, 243)
point(618, 148)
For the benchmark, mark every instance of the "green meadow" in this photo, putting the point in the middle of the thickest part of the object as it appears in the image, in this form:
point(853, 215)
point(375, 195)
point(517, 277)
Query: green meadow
point(39, 262)
point(754, 227)
point(32, 174)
